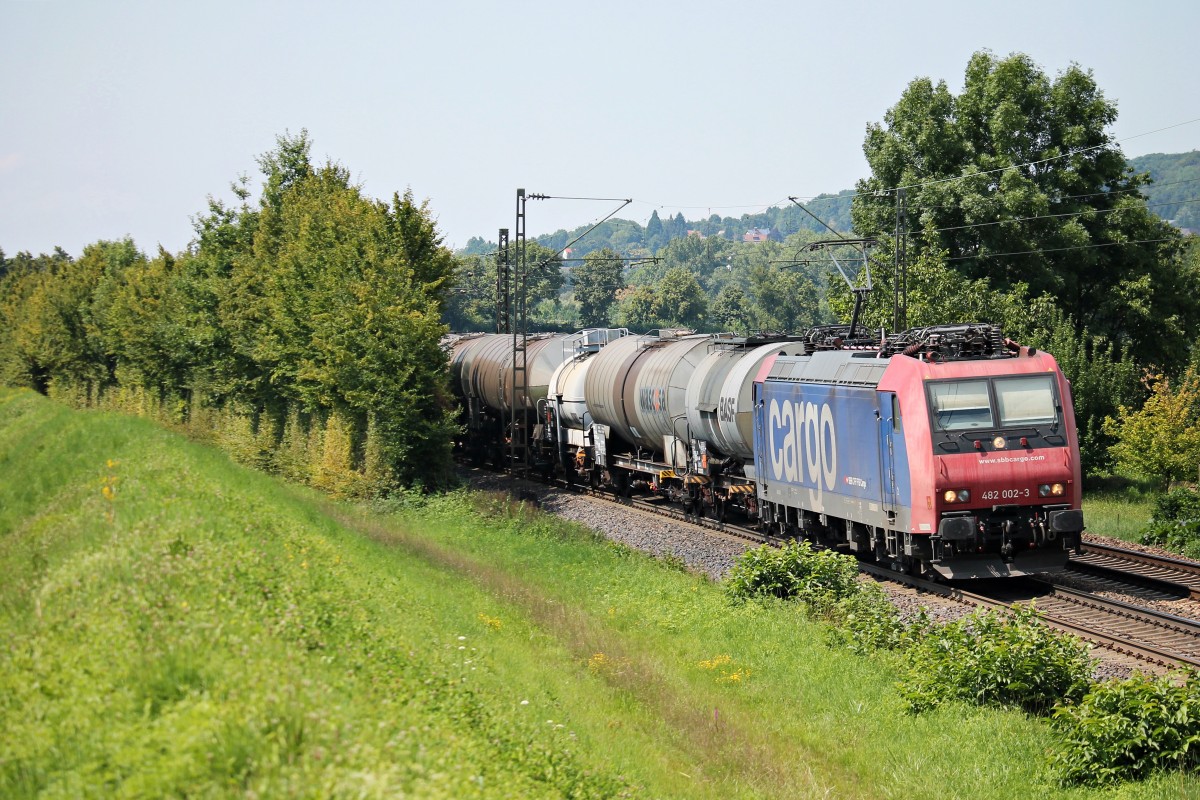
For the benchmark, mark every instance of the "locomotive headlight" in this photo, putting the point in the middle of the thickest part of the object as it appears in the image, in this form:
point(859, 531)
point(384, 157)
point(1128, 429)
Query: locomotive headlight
point(1044, 490)
point(999, 443)
point(1057, 489)
point(963, 495)
point(956, 495)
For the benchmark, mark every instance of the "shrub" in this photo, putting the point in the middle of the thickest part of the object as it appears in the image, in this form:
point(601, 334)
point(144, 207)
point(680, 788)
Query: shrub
point(1176, 521)
point(862, 616)
point(996, 658)
point(1123, 730)
point(1181, 503)
point(796, 570)
point(867, 620)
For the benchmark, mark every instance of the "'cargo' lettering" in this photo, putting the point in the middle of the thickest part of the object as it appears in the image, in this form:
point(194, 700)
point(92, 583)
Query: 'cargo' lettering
point(802, 439)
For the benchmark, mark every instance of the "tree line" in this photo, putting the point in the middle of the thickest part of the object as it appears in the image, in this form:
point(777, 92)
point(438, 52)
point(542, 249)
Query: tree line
point(301, 331)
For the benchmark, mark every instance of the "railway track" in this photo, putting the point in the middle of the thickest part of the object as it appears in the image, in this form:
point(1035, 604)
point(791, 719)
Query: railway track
point(659, 506)
point(1181, 574)
point(1145, 634)
point(1150, 636)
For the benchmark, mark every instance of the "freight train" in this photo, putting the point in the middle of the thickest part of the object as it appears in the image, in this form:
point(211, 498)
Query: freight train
point(944, 451)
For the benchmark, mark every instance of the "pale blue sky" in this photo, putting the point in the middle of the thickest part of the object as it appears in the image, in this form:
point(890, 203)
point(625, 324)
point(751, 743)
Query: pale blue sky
point(120, 118)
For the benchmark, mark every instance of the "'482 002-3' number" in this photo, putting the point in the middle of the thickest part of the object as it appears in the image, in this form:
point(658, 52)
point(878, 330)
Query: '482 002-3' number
point(1005, 494)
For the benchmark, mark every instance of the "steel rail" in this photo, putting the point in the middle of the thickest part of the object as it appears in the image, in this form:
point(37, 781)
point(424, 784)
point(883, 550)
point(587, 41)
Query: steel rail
point(1176, 571)
point(1143, 639)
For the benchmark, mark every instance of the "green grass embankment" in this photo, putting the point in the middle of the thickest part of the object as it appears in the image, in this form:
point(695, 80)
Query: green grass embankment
point(1119, 515)
point(203, 630)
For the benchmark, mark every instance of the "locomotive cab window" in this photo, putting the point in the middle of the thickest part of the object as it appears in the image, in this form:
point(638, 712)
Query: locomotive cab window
point(960, 405)
point(1026, 401)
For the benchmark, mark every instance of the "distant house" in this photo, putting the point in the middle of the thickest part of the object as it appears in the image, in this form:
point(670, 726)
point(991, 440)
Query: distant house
point(697, 234)
point(756, 235)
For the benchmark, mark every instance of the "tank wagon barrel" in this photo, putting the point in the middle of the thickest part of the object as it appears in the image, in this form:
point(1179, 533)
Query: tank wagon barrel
point(483, 375)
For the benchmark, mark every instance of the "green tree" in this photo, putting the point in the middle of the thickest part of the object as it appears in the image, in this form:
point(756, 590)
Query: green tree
point(784, 299)
point(731, 310)
point(471, 300)
point(937, 293)
point(23, 361)
point(544, 273)
point(470, 286)
point(477, 246)
point(597, 281)
point(637, 308)
point(655, 235)
point(142, 316)
point(699, 256)
point(1020, 182)
point(322, 302)
point(350, 315)
point(54, 336)
point(1172, 194)
point(679, 299)
point(1161, 440)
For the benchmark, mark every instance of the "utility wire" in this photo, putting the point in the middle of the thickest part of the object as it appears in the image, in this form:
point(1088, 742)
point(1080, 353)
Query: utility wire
point(1067, 154)
point(1058, 249)
point(1095, 211)
point(567, 246)
point(1111, 193)
point(621, 200)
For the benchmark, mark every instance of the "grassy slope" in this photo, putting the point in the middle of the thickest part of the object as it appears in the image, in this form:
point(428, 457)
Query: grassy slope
point(211, 631)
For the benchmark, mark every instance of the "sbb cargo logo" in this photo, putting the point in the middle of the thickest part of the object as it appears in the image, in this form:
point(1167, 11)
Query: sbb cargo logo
point(803, 443)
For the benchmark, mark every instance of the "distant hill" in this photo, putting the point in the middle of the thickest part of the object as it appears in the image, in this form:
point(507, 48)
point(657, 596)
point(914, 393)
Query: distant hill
point(1176, 188)
point(1172, 196)
point(781, 221)
point(629, 237)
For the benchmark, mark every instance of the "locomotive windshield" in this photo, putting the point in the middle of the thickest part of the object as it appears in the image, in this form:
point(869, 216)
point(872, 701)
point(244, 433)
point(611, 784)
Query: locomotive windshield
point(960, 405)
point(1020, 401)
point(1026, 401)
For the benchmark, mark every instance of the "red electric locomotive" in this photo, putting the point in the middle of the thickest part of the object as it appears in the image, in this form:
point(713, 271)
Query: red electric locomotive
point(947, 451)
